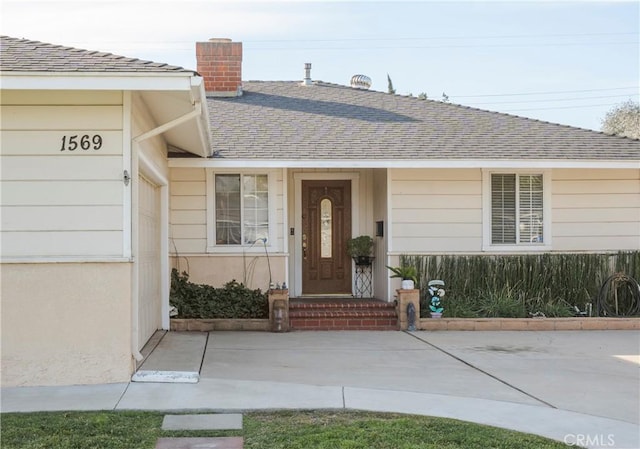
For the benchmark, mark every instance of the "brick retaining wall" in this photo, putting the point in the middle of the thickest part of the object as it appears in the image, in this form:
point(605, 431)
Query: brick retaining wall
point(527, 324)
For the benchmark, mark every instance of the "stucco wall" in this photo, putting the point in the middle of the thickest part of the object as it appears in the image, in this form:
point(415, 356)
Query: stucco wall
point(216, 270)
point(66, 323)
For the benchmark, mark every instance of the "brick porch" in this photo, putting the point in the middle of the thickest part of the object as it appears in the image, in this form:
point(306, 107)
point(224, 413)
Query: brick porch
point(342, 314)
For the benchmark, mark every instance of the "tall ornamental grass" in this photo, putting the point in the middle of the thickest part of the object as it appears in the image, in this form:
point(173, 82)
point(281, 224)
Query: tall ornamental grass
point(520, 285)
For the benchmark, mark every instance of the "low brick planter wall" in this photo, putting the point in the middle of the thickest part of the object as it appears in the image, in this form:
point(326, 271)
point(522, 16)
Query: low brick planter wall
point(219, 324)
point(434, 324)
point(527, 324)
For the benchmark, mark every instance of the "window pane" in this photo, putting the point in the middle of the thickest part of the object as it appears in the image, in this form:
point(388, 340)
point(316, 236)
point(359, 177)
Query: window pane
point(531, 210)
point(256, 207)
point(503, 208)
point(227, 199)
point(326, 228)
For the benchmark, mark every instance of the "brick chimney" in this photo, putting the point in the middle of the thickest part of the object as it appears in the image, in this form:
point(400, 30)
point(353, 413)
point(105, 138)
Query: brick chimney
point(220, 64)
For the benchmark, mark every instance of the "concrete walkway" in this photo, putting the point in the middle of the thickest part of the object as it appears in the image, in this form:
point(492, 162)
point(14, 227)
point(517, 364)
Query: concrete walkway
point(578, 387)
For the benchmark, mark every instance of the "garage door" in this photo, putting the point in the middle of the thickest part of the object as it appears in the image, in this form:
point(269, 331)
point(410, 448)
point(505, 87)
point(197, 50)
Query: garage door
point(150, 302)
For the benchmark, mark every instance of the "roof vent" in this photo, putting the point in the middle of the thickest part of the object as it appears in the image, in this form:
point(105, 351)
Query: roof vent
point(307, 75)
point(360, 82)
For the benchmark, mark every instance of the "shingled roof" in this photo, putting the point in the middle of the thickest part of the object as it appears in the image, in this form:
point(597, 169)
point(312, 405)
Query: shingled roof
point(23, 55)
point(288, 121)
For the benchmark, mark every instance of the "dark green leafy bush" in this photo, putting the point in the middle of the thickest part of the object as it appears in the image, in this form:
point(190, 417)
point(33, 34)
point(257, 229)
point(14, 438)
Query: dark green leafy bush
point(234, 300)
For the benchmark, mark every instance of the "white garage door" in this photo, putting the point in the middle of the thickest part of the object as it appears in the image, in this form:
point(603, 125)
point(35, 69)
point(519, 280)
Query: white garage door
point(150, 301)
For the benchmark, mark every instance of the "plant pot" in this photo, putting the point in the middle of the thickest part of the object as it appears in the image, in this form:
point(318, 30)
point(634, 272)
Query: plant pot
point(363, 260)
point(436, 314)
point(407, 284)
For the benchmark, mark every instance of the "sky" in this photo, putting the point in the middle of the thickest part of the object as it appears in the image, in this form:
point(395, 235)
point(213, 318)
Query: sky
point(563, 62)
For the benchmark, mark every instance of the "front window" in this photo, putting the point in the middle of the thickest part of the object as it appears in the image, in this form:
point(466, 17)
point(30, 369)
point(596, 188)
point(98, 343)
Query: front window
point(517, 209)
point(241, 209)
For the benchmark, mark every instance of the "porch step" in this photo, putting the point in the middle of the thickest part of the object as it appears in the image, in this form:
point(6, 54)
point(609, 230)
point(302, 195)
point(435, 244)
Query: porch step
point(342, 314)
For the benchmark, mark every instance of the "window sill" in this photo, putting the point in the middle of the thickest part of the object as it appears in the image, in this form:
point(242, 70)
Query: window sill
point(516, 248)
point(241, 249)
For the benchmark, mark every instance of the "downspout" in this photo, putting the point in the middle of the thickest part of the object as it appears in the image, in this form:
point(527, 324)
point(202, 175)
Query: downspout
point(197, 110)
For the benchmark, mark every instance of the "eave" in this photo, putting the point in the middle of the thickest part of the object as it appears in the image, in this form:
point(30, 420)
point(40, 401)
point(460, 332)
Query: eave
point(394, 163)
point(174, 94)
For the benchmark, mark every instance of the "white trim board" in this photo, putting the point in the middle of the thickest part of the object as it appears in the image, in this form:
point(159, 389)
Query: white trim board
point(142, 81)
point(538, 164)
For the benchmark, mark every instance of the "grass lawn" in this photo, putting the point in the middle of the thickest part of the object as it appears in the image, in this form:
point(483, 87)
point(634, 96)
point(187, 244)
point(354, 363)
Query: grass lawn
point(262, 430)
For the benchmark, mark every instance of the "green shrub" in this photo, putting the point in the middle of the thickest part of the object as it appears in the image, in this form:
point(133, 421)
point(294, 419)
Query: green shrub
point(234, 300)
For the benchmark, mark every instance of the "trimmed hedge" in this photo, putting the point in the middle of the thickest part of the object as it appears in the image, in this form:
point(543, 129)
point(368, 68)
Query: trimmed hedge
point(234, 300)
point(517, 286)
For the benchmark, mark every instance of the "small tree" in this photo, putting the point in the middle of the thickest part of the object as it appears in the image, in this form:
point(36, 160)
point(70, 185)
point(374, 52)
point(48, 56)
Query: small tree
point(623, 120)
point(390, 88)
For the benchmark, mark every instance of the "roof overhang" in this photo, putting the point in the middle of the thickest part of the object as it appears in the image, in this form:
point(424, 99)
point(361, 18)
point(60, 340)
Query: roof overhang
point(168, 96)
point(394, 163)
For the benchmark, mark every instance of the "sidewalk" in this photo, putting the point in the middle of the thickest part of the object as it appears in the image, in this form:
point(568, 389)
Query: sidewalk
point(562, 385)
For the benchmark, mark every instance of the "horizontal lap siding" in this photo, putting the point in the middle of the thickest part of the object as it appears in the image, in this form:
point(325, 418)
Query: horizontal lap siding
point(62, 203)
point(596, 210)
point(188, 203)
point(188, 230)
point(436, 210)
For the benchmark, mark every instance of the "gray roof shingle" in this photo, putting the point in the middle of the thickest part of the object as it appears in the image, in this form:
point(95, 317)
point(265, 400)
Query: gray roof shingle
point(282, 120)
point(23, 55)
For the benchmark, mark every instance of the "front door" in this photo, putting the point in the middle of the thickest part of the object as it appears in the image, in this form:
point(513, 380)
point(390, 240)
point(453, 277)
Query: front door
point(326, 228)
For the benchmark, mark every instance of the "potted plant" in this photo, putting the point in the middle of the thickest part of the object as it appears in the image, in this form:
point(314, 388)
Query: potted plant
point(408, 274)
point(360, 249)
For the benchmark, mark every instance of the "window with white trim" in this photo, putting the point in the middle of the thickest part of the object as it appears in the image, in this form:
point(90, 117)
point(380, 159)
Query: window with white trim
point(517, 209)
point(241, 208)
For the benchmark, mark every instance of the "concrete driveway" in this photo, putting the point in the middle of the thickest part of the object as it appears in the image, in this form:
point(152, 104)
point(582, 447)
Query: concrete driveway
point(580, 387)
point(592, 372)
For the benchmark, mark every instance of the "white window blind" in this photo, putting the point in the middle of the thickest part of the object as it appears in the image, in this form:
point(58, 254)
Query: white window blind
point(530, 224)
point(516, 208)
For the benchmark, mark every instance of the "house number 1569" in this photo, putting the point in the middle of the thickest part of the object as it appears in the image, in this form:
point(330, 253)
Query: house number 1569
point(85, 142)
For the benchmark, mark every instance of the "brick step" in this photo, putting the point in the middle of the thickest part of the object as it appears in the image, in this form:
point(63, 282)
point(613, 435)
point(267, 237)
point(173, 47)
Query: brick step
point(347, 314)
point(343, 324)
point(340, 313)
point(346, 304)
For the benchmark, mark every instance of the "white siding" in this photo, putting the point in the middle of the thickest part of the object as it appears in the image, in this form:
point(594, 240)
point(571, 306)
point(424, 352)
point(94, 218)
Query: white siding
point(188, 197)
point(435, 210)
point(596, 210)
point(188, 211)
point(381, 273)
point(59, 203)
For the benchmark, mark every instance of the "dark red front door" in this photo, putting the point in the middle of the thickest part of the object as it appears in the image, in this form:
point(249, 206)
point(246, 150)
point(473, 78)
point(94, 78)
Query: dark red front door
point(326, 228)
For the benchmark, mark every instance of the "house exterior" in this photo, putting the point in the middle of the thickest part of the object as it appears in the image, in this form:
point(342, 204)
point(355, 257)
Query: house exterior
point(262, 182)
point(421, 177)
point(85, 186)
